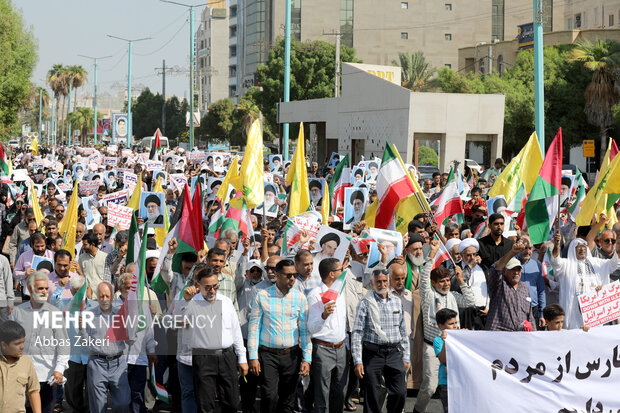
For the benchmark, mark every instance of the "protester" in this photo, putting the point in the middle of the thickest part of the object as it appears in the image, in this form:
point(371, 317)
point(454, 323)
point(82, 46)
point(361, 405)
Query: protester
point(446, 319)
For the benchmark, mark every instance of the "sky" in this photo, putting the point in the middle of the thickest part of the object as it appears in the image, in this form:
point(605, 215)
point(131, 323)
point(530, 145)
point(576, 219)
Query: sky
point(65, 29)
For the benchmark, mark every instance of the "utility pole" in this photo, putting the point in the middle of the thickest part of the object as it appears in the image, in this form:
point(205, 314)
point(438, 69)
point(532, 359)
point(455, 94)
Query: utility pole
point(490, 53)
point(95, 95)
point(52, 129)
point(129, 122)
point(163, 92)
point(287, 72)
point(337, 62)
point(539, 79)
point(40, 108)
point(69, 112)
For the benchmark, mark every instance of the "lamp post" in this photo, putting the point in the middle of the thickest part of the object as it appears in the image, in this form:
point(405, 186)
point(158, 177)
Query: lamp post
point(129, 123)
point(52, 129)
point(287, 72)
point(476, 54)
point(40, 108)
point(191, 66)
point(95, 97)
point(539, 78)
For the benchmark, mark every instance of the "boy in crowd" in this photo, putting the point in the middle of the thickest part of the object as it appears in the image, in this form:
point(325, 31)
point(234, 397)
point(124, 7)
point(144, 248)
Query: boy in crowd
point(17, 374)
point(447, 319)
point(554, 318)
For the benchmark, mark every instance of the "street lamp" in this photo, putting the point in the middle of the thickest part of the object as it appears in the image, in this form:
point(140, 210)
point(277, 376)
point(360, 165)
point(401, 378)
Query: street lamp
point(191, 66)
point(95, 98)
point(129, 122)
point(476, 54)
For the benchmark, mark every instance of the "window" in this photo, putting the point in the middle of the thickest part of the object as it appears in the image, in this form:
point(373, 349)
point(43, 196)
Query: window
point(233, 51)
point(232, 71)
point(611, 20)
point(448, 36)
point(448, 6)
point(577, 21)
point(595, 16)
point(404, 35)
point(569, 24)
point(497, 20)
point(448, 65)
point(232, 91)
point(404, 5)
point(233, 11)
point(233, 31)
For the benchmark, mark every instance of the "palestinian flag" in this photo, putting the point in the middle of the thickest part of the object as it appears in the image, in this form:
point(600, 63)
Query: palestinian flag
point(133, 245)
point(543, 202)
point(335, 289)
point(340, 181)
point(441, 256)
point(156, 146)
point(217, 219)
point(237, 219)
point(198, 231)
point(579, 190)
point(393, 184)
point(449, 201)
point(4, 161)
point(162, 393)
point(186, 232)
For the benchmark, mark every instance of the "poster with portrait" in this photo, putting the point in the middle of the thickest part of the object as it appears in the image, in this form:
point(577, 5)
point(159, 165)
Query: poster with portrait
point(317, 186)
point(270, 207)
point(162, 175)
point(333, 160)
point(93, 216)
point(152, 208)
point(358, 175)
point(391, 240)
point(275, 163)
point(110, 178)
point(78, 170)
point(355, 201)
point(372, 170)
point(330, 243)
point(119, 126)
point(42, 264)
point(213, 186)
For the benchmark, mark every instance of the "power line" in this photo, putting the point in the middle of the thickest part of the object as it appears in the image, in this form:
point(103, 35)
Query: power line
point(167, 43)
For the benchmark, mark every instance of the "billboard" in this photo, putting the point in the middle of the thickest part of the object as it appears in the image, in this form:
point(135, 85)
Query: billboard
point(119, 126)
point(525, 36)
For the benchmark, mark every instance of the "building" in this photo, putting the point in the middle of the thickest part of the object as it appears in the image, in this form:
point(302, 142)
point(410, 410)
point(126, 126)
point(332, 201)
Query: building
point(212, 54)
point(373, 111)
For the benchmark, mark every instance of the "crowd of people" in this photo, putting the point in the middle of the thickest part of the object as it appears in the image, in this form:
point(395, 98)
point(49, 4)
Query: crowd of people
point(304, 324)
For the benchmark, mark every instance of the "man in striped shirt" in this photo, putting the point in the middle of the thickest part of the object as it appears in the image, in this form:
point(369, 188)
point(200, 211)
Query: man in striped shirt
point(278, 341)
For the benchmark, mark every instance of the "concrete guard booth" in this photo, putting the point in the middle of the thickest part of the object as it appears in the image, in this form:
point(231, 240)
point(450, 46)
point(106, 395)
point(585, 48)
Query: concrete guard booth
point(374, 109)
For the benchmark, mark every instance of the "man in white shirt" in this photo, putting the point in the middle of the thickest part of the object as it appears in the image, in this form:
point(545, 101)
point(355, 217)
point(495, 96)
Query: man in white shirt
point(92, 261)
point(216, 342)
point(327, 321)
point(473, 317)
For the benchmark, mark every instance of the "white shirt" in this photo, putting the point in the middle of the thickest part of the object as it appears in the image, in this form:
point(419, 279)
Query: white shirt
point(225, 322)
point(333, 328)
point(478, 284)
point(143, 344)
point(406, 297)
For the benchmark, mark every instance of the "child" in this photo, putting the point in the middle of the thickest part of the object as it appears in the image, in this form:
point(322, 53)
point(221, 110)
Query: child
point(554, 318)
point(446, 320)
point(16, 371)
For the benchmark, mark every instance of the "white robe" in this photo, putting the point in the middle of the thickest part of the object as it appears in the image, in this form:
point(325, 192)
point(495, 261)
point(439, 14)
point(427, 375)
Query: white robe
point(572, 284)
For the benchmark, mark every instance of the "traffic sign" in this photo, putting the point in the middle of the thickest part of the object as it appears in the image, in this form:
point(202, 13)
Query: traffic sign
point(196, 118)
point(588, 148)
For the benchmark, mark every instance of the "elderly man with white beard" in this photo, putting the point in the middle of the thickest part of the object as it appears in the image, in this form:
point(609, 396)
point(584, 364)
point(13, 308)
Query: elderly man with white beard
point(48, 347)
point(435, 294)
point(474, 317)
point(579, 274)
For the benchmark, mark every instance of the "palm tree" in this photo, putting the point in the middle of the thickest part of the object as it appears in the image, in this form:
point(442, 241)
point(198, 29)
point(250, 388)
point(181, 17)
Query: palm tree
point(56, 82)
point(78, 77)
point(416, 71)
point(83, 119)
point(33, 103)
point(603, 58)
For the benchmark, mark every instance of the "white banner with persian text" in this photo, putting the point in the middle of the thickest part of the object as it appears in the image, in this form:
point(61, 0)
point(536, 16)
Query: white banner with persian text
point(547, 371)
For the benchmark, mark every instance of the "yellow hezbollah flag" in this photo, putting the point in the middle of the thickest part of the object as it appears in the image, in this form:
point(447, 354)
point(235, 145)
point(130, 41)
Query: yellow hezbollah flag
point(325, 207)
point(134, 201)
point(34, 199)
point(610, 180)
point(34, 146)
point(371, 213)
point(595, 201)
point(523, 169)
point(232, 174)
point(160, 233)
point(69, 224)
point(251, 180)
point(297, 178)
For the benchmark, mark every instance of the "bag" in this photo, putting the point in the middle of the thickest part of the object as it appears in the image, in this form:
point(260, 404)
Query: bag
point(5, 247)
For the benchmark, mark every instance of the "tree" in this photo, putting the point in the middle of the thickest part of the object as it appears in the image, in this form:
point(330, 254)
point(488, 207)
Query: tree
point(416, 72)
point(83, 119)
point(146, 114)
point(427, 155)
point(19, 57)
point(312, 76)
point(77, 77)
point(217, 124)
point(603, 58)
point(55, 80)
point(31, 108)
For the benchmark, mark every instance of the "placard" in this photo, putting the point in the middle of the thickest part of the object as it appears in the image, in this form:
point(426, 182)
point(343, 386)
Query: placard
point(601, 307)
point(88, 187)
point(197, 157)
point(154, 165)
point(118, 197)
point(308, 221)
point(110, 160)
point(119, 215)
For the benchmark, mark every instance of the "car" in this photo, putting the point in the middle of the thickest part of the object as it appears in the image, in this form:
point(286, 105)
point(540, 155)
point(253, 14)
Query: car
point(13, 143)
point(427, 171)
point(146, 141)
point(474, 166)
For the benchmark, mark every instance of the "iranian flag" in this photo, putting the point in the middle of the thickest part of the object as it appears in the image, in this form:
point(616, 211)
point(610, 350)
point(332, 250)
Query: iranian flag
point(162, 393)
point(441, 256)
point(393, 185)
point(78, 302)
point(155, 145)
point(543, 202)
point(335, 289)
point(340, 180)
point(237, 219)
point(217, 219)
point(449, 201)
point(4, 161)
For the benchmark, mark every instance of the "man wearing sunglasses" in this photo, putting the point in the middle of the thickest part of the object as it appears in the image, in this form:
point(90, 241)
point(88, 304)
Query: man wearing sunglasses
point(606, 249)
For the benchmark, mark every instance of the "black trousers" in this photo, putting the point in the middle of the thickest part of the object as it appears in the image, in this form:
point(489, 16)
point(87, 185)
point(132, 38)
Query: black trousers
point(216, 372)
point(386, 363)
point(75, 387)
point(279, 377)
point(248, 387)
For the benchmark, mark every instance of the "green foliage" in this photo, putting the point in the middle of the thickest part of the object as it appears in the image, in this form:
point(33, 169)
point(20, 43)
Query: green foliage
point(83, 119)
point(312, 76)
point(427, 155)
point(565, 83)
point(19, 57)
point(146, 114)
point(416, 73)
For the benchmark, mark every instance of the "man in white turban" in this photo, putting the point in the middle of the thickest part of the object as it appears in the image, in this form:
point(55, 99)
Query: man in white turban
point(473, 317)
point(579, 274)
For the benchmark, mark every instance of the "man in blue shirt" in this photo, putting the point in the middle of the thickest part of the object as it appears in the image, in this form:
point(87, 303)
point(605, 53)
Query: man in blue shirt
point(532, 276)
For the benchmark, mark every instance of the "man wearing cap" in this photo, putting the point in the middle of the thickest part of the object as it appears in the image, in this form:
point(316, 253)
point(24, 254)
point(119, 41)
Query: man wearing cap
point(510, 307)
point(494, 246)
point(491, 174)
point(357, 200)
point(152, 204)
point(435, 294)
point(472, 317)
